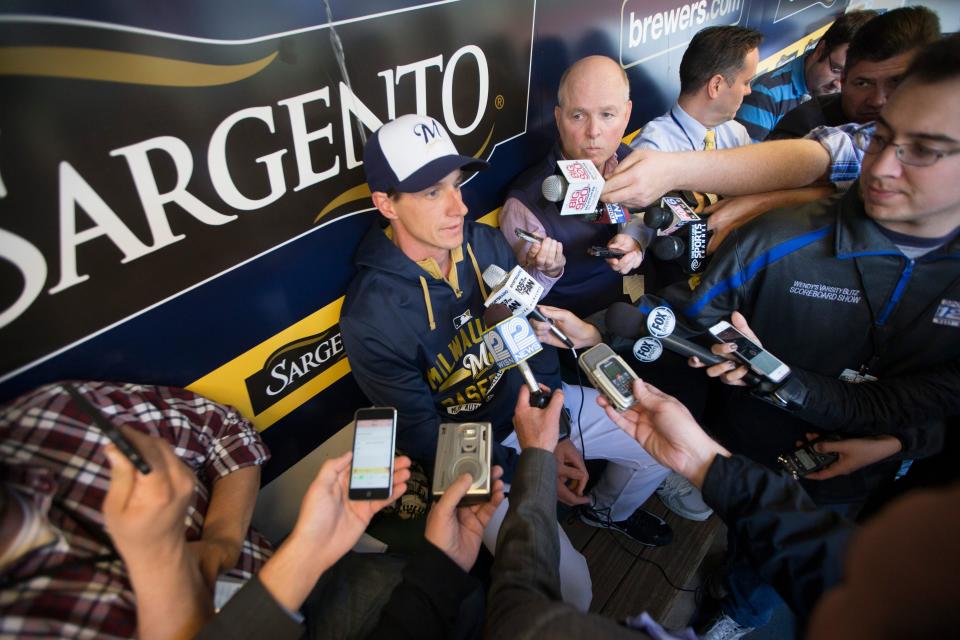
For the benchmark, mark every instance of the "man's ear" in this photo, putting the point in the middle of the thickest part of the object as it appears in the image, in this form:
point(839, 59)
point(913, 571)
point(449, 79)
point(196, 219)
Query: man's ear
point(713, 86)
point(384, 204)
point(557, 112)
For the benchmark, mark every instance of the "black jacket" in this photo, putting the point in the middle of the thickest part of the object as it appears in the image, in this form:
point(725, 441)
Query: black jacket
point(825, 290)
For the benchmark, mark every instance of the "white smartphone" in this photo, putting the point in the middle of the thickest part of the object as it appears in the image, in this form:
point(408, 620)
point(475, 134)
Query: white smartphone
point(760, 361)
point(371, 470)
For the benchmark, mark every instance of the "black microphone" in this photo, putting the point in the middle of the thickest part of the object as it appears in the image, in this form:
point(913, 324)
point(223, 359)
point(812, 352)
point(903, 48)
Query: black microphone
point(688, 245)
point(671, 214)
point(554, 189)
point(511, 341)
point(655, 331)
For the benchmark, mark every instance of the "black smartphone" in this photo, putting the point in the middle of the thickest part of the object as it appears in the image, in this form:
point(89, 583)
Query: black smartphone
point(523, 234)
point(371, 470)
point(604, 252)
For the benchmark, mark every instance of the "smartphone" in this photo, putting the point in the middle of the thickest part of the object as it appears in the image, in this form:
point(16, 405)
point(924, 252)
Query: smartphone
point(371, 470)
point(806, 460)
point(610, 375)
point(523, 234)
point(604, 252)
point(760, 361)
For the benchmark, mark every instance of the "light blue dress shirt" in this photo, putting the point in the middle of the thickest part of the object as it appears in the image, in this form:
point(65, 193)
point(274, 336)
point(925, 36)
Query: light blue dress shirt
point(677, 130)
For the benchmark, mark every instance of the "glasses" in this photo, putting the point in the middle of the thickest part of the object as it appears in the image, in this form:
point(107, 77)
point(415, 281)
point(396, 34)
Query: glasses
point(835, 68)
point(909, 153)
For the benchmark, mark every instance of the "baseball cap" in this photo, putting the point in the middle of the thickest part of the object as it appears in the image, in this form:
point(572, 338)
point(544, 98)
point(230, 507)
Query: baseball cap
point(412, 153)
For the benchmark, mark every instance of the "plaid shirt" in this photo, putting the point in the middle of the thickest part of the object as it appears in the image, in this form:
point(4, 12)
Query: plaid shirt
point(77, 587)
point(845, 155)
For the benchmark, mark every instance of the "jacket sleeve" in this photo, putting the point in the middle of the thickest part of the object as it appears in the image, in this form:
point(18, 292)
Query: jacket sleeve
point(252, 613)
point(432, 601)
point(910, 407)
point(524, 601)
point(795, 546)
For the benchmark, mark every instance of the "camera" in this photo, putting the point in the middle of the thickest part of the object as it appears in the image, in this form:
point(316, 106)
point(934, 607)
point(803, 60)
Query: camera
point(464, 447)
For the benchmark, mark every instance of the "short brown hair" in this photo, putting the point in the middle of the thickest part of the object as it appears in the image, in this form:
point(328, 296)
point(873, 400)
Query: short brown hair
point(713, 51)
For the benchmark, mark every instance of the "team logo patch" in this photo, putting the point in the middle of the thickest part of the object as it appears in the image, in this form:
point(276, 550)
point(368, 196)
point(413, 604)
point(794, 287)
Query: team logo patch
point(469, 406)
point(462, 319)
point(948, 313)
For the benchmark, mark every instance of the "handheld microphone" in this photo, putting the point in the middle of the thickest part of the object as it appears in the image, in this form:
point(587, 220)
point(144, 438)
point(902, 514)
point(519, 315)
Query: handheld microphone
point(520, 293)
point(575, 201)
point(670, 215)
point(688, 246)
point(655, 332)
point(511, 341)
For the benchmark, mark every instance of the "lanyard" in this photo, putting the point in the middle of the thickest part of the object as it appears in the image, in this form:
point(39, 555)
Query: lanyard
point(689, 139)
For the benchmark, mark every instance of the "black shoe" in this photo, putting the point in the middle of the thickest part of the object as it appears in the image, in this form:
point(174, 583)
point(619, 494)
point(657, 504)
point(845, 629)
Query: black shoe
point(642, 526)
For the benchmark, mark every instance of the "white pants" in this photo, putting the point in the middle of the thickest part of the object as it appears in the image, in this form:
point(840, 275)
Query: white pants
point(629, 479)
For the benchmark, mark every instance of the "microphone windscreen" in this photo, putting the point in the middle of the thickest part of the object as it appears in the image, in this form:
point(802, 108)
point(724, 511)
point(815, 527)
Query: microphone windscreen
point(626, 321)
point(657, 218)
point(552, 188)
point(495, 314)
point(668, 247)
point(493, 276)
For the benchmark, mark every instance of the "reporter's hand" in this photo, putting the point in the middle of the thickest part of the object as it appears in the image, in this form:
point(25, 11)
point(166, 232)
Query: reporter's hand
point(458, 531)
point(728, 214)
point(329, 520)
point(144, 514)
point(581, 333)
point(214, 557)
point(546, 256)
point(572, 474)
point(632, 255)
point(538, 428)
point(640, 178)
point(667, 431)
point(732, 371)
point(855, 454)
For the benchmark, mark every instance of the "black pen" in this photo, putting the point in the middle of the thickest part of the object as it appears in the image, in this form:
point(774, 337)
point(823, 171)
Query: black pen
point(110, 430)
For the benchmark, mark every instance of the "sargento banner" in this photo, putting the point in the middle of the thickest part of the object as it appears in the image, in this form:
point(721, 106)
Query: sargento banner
point(136, 165)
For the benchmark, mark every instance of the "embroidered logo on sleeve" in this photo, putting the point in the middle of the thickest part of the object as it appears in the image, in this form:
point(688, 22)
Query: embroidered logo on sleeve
point(948, 313)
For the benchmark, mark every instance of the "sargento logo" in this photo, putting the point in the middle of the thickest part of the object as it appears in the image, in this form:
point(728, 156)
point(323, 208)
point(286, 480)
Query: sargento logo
point(291, 366)
point(651, 29)
point(170, 145)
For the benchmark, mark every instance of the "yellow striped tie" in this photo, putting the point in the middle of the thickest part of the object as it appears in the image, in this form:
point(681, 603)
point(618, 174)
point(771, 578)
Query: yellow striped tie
point(709, 144)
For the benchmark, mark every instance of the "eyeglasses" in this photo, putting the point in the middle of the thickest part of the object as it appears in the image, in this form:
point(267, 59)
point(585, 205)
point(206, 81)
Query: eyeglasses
point(909, 153)
point(835, 68)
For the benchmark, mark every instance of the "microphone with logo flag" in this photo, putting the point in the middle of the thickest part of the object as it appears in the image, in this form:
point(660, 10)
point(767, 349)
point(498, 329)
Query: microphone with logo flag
point(520, 293)
point(654, 332)
point(511, 341)
point(577, 191)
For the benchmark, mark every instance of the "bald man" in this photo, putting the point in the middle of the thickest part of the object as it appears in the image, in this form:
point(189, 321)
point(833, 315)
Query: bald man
point(593, 108)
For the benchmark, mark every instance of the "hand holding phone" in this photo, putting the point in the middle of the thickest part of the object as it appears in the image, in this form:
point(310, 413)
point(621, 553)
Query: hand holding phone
point(371, 470)
point(760, 361)
point(604, 252)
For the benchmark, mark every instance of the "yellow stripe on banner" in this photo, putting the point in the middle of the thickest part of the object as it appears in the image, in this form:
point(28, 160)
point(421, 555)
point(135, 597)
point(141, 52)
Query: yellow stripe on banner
point(119, 66)
point(227, 383)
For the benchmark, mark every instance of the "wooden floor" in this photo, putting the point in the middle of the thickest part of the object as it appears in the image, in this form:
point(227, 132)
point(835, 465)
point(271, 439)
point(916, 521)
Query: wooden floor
point(624, 583)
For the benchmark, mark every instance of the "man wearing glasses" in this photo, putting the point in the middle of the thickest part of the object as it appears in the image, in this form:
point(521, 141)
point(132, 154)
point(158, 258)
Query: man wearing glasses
point(878, 56)
point(816, 73)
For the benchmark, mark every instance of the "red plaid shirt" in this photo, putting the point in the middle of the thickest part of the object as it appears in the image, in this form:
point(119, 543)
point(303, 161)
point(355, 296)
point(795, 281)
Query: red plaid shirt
point(77, 587)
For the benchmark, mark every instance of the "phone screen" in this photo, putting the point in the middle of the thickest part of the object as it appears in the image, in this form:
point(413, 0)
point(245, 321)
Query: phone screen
point(617, 375)
point(372, 465)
